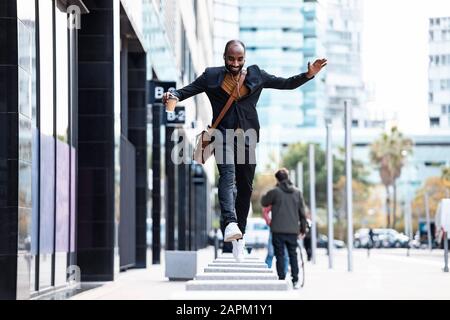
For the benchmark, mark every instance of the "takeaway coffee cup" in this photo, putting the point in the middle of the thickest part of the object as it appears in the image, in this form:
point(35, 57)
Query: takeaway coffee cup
point(171, 103)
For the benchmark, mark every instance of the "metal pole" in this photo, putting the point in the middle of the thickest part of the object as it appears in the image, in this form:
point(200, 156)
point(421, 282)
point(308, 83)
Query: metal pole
point(348, 173)
point(300, 176)
point(312, 191)
point(407, 225)
point(216, 243)
point(330, 197)
point(411, 235)
point(73, 116)
point(293, 177)
point(446, 251)
point(427, 211)
point(405, 218)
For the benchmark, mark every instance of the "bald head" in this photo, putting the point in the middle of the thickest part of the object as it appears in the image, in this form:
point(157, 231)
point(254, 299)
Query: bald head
point(234, 56)
point(232, 43)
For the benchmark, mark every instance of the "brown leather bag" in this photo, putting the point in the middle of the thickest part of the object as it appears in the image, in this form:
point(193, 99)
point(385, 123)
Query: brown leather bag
point(204, 148)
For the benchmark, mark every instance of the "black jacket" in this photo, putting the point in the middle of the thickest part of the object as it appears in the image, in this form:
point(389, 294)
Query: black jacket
point(288, 209)
point(243, 112)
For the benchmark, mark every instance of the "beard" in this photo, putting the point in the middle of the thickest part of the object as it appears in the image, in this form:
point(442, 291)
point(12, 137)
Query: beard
point(233, 70)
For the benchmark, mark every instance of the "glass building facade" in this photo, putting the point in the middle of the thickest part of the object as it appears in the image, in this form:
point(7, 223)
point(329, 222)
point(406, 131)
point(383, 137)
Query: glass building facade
point(36, 110)
point(439, 73)
point(226, 26)
point(276, 46)
point(282, 37)
point(72, 114)
point(344, 82)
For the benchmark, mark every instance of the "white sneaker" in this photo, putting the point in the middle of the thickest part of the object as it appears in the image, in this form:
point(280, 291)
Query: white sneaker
point(239, 250)
point(232, 232)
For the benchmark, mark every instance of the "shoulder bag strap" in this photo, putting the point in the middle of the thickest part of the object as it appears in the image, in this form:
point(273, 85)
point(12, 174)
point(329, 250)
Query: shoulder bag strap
point(230, 101)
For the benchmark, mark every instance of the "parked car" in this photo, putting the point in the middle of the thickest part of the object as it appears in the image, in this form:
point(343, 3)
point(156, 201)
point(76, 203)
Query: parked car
point(361, 238)
point(322, 242)
point(382, 238)
point(257, 233)
point(391, 238)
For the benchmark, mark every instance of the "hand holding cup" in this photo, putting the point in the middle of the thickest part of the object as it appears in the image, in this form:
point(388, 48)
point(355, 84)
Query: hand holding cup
point(170, 100)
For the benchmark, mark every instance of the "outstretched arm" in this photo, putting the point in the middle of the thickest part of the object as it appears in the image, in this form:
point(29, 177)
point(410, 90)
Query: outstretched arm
point(196, 87)
point(273, 82)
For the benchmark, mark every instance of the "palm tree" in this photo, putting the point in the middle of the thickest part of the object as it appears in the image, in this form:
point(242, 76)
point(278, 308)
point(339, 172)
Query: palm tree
point(389, 155)
point(446, 173)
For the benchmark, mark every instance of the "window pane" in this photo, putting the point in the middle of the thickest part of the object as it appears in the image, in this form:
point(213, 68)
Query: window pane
point(46, 65)
point(62, 77)
point(47, 144)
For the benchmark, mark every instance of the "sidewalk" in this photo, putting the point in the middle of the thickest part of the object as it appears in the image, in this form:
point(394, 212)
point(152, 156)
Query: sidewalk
point(386, 274)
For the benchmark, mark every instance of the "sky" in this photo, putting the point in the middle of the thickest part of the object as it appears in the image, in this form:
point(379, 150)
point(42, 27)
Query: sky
point(395, 57)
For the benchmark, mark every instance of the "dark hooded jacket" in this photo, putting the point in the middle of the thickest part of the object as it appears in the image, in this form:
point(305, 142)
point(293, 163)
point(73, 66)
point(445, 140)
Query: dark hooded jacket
point(288, 208)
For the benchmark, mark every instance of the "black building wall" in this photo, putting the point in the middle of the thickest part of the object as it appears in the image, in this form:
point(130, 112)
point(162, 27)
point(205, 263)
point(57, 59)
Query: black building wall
point(112, 193)
point(137, 134)
point(8, 149)
point(97, 185)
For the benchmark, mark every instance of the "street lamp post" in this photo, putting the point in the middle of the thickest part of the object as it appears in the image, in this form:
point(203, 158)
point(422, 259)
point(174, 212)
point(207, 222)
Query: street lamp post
point(300, 176)
point(427, 212)
point(293, 176)
point(348, 182)
point(446, 250)
point(312, 192)
point(330, 197)
point(408, 224)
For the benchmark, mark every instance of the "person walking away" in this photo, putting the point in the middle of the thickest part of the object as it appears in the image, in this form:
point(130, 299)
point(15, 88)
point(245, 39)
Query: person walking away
point(370, 244)
point(270, 251)
point(288, 222)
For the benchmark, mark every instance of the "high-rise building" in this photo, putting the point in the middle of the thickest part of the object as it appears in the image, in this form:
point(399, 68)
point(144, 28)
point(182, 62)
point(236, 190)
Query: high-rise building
point(282, 37)
point(273, 33)
point(226, 26)
point(439, 72)
point(315, 92)
point(276, 46)
point(344, 73)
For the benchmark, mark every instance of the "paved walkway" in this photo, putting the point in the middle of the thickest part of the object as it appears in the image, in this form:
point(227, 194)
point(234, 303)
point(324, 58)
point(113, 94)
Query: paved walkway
point(386, 274)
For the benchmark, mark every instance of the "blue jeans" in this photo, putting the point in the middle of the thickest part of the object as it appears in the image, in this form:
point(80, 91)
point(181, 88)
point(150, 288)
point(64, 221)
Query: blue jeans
point(271, 254)
point(235, 187)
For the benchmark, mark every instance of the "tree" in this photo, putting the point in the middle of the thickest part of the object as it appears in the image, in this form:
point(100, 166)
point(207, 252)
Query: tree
point(299, 152)
point(361, 205)
point(389, 154)
point(436, 187)
point(263, 183)
point(446, 173)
